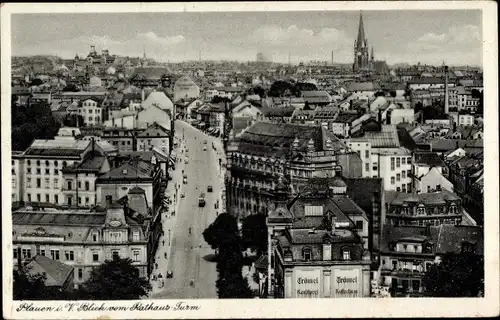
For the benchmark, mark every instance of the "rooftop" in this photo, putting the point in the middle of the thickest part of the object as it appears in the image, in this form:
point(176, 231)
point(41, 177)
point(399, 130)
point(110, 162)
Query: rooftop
point(56, 272)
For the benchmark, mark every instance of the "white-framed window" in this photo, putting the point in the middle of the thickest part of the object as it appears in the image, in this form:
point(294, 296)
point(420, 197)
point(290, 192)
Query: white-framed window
point(115, 254)
point(69, 255)
point(346, 254)
point(135, 236)
point(80, 273)
point(392, 180)
point(54, 254)
point(115, 236)
point(28, 182)
point(136, 254)
point(307, 254)
point(14, 183)
point(56, 183)
point(47, 183)
point(95, 256)
point(26, 253)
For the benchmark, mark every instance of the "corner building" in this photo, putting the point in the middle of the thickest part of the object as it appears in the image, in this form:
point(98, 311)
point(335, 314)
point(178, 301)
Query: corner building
point(265, 150)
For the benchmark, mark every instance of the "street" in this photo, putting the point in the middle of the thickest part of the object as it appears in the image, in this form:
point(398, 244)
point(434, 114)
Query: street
point(189, 256)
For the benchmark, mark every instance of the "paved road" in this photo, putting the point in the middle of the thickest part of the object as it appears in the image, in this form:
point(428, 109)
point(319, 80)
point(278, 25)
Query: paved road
point(187, 259)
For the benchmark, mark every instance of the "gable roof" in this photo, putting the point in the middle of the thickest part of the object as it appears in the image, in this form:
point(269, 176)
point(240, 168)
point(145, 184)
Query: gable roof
point(132, 170)
point(56, 272)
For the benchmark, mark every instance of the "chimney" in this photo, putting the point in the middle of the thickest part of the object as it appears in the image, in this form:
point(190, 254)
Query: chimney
point(446, 107)
point(350, 105)
point(142, 95)
point(379, 116)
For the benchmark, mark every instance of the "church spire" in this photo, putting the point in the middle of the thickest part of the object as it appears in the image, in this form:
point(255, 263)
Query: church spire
point(361, 32)
point(372, 56)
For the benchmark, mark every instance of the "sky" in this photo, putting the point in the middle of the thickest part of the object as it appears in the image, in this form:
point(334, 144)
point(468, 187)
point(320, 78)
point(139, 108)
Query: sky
point(410, 36)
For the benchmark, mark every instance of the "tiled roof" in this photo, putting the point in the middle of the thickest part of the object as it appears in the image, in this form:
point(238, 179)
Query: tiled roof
point(393, 234)
point(154, 130)
point(405, 140)
point(386, 138)
point(452, 144)
point(345, 117)
point(283, 136)
point(312, 94)
point(426, 81)
point(91, 164)
point(362, 86)
point(57, 148)
point(429, 158)
point(304, 236)
point(278, 111)
point(56, 272)
point(132, 170)
point(451, 237)
point(58, 219)
point(431, 198)
point(151, 72)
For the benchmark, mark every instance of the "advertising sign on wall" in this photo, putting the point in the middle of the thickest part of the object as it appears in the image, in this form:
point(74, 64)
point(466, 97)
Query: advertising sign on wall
point(347, 283)
point(307, 283)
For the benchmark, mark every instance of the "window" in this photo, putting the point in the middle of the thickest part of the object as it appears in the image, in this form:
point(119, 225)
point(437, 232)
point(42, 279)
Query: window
point(115, 254)
point(64, 164)
point(54, 254)
point(408, 173)
point(79, 184)
point(80, 273)
point(79, 200)
point(28, 170)
point(306, 254)
point(398, 162)
point(403, 160)
point(69, 255)
point(87, 185)
point(346, 254)
point(87, 200)
point(38, 171)
point(47, 183)
point(28, 182)
point(398, 189)
point(56, 171)
point(38, 197)
point(56, 199)
point(367, 153)
point(70, 184)
point(29, 162)
point(56, 163)
point(15, 253)
point(26, 253)
point(14, 182)
point(404, 187)
point(408, 160)
point(398, 177)
point(359, 225)
point(136, 255)
point(392, 180)
point(29, 197)
point(403, 174)
point(392, 163)
point(56, 183)
point(38, 182)
point(38, 162)
point(47, 198)
point(135, 236)
point(42, 252)
point(94, 237)
point(367, 166)
point(47, 171)
point(95, 256)
point(115, 236)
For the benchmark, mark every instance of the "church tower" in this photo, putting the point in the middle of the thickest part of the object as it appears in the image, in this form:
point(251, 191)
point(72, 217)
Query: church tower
point(361, 54)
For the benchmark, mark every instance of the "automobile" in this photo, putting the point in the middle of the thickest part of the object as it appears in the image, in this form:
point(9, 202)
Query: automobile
point(209, 189)
point(183, 195)
point(185, 181)
point(186, 160)
point(170, 274)
point(201, 200)
point(204, 148)
point(205, 142)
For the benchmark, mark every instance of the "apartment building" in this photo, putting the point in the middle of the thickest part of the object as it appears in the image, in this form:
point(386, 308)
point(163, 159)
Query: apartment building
point(80, 238)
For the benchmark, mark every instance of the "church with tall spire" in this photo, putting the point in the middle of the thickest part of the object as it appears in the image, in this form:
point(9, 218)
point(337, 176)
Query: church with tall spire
point(362, 58)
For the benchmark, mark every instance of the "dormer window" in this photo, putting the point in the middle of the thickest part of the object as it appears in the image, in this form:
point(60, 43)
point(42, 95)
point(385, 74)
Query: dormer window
point(346, 254)
point(94, 237)
point(307, 254)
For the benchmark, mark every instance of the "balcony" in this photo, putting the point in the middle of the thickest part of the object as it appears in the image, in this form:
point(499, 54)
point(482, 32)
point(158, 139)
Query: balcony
point(402, 272)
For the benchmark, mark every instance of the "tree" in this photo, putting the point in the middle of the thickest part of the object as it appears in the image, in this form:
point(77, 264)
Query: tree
point(254, 233)
point(279, 87)
point(115, 279)
point(28, 286)
point(219, 99)
point(222, 232)
point(393, 93)
point(259, 91)
point(36, 82)
point(379, 94)
point(459, 275)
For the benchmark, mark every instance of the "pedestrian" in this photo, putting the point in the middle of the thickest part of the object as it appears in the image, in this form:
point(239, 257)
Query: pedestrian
point(156, 265)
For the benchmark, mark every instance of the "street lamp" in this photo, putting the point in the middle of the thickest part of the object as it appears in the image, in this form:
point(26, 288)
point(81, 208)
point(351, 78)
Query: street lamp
point(169, 237)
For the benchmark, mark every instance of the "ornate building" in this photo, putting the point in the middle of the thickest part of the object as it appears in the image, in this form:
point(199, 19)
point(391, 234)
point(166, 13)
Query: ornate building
point(266, 150)
point(362, 59)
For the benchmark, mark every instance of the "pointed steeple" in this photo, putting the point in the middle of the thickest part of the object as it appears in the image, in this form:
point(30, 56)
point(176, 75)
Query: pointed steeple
point(361, 32)
point(372, 57)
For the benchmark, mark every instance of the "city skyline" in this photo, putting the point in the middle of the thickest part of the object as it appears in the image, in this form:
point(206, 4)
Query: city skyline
point(450, 36)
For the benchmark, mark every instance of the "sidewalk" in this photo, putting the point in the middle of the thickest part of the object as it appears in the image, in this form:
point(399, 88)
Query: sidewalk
point(169, 222)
